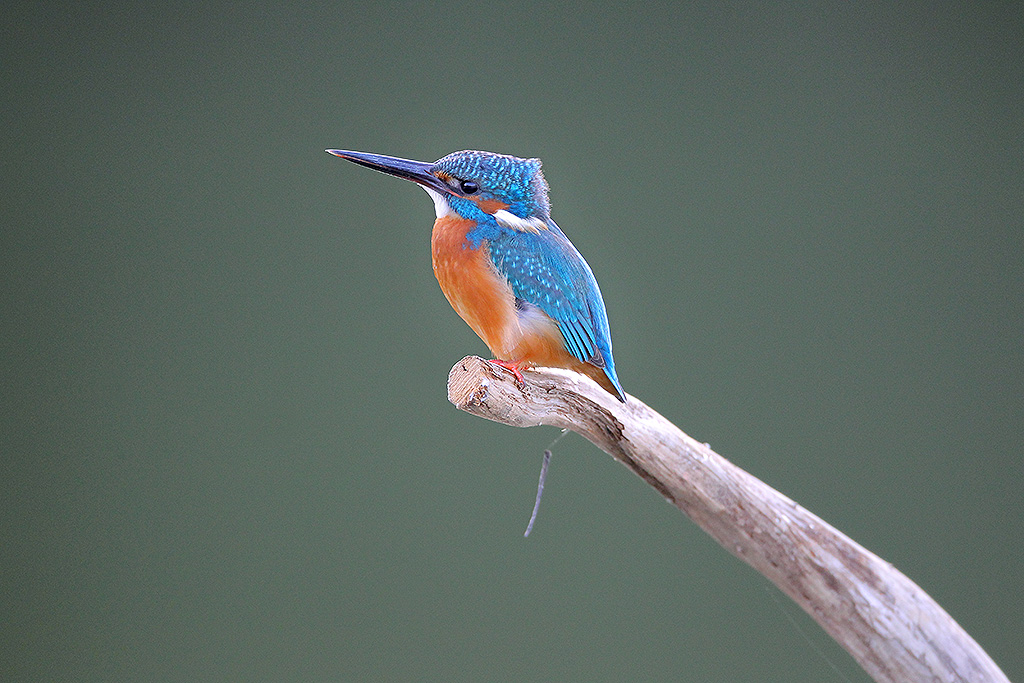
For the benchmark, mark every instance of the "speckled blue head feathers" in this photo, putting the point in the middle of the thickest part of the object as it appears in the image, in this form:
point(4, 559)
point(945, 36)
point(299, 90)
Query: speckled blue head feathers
point(511, 180)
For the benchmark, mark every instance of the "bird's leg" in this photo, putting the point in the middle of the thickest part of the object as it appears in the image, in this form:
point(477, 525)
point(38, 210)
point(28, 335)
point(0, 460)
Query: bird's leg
point(515, 368)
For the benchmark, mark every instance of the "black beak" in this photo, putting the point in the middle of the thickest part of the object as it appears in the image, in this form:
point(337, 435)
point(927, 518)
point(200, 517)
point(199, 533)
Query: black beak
point(416, 171)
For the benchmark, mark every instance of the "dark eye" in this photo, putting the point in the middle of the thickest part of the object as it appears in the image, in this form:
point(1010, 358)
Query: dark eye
point(468, 187)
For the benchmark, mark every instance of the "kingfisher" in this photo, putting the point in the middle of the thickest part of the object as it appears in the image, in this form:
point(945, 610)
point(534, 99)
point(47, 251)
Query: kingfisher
point(505, 266)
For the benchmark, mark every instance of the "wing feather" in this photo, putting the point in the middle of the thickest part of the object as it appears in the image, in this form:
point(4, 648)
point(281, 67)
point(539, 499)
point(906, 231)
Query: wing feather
point(545, 270)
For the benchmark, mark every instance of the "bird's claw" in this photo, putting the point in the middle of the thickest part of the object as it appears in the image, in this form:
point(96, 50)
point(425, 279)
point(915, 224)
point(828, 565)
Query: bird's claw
point(514, 368)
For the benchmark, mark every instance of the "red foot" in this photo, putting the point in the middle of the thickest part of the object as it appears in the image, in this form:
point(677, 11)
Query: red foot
point(514, 368)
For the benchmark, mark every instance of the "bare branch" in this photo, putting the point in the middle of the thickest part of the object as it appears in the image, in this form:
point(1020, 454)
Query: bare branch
point(894, 630)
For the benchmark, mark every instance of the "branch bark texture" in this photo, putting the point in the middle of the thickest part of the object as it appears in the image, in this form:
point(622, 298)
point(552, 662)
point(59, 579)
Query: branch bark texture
point(894, 630)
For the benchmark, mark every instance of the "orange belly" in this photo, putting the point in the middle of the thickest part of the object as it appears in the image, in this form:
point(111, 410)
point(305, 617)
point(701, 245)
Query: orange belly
point(484, 299)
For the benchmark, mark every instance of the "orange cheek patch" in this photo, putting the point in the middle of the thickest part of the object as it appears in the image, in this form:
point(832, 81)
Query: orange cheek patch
point(490, 205)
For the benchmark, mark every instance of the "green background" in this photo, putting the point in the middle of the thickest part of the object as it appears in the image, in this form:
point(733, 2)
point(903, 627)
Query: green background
point(226, 448)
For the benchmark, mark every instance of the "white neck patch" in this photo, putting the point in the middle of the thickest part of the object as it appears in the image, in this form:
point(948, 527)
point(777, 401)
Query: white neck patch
point(441, 206)
point(511, 221)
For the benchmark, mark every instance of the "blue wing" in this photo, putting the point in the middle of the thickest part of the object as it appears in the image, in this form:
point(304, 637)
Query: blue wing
point(546, 271)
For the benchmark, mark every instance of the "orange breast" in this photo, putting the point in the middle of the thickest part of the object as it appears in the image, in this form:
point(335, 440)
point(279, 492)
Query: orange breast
point(471, 283)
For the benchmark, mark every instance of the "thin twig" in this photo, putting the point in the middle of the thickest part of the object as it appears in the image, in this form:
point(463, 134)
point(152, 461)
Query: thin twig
point(540, 491)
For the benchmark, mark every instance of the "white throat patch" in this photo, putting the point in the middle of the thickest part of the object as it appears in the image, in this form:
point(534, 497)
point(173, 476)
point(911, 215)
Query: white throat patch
point(441, 206)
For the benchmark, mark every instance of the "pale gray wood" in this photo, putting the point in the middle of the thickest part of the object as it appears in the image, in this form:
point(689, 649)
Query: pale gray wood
point(892, 628)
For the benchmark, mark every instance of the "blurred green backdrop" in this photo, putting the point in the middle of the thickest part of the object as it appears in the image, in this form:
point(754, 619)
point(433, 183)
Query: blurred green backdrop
point(226, 448)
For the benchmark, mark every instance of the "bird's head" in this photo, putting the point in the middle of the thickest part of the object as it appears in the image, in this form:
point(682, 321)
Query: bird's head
point(474, 185)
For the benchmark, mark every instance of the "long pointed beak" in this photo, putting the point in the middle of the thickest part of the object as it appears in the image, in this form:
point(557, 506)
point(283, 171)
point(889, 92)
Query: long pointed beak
point(416, 171)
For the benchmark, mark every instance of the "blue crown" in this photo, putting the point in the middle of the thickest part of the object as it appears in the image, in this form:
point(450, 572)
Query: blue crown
point(514, 181)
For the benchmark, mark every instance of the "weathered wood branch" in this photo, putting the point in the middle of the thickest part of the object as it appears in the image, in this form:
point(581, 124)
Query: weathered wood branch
point(894, 630)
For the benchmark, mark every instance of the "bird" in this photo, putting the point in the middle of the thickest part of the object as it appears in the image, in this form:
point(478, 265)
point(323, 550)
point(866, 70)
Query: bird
point(505, 266)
